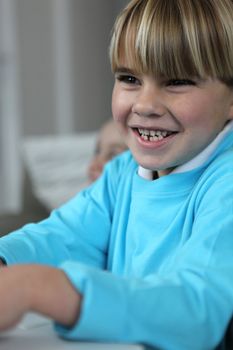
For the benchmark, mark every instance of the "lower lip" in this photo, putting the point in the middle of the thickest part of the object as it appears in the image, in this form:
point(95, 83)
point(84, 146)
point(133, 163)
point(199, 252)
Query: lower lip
point(153, 144)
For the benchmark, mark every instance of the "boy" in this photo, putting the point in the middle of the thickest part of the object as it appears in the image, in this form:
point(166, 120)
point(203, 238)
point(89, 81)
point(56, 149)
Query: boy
point(145, 254)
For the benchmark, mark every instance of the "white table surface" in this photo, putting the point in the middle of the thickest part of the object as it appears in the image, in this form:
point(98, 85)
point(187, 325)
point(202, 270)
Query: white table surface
point(36, 333)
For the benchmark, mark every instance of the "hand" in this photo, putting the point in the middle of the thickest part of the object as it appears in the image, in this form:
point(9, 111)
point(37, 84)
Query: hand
point(13, 297)
point(2, 263)
point(37, 288)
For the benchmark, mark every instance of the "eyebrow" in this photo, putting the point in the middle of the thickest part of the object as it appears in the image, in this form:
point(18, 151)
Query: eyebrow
point(124, 70)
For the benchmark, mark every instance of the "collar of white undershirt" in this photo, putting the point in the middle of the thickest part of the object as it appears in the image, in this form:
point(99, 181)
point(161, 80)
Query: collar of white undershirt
point(197, 161)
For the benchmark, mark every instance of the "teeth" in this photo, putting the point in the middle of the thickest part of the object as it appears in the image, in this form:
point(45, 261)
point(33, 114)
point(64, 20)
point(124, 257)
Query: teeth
point(153, 135)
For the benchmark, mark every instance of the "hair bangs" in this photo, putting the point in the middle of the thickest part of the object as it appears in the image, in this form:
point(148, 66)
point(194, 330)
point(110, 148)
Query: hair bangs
point(174, 39)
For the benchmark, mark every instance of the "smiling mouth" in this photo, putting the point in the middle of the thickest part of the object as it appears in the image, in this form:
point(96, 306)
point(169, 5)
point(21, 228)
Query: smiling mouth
point(153, 135)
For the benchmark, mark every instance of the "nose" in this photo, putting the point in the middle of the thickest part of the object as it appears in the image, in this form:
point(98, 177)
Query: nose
point(149, 101)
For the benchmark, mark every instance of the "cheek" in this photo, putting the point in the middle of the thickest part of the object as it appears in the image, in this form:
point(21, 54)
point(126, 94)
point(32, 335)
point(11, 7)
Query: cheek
point(118, 115)
point(192, 115)
point(114, 104)
point(115, 110)
point(120, 106)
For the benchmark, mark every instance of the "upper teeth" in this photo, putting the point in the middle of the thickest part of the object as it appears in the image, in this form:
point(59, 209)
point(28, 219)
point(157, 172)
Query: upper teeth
point(153, 133)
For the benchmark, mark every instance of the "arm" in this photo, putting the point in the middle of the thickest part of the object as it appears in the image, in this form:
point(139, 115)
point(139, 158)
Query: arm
point(186, 305)
point(79, 230)
point(68, 234)
point(37, 288)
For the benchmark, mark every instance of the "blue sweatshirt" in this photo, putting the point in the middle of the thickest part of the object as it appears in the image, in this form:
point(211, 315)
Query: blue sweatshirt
point(153, 259)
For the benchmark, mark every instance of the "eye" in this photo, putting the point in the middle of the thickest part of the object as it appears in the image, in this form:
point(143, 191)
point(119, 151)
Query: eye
point(180, 82)
point(127, 79)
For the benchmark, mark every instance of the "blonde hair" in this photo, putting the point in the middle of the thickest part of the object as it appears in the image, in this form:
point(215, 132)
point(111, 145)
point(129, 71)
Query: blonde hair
point(176, 38)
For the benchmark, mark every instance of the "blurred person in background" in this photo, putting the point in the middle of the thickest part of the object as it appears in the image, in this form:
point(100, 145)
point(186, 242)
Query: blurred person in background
point(109, 144)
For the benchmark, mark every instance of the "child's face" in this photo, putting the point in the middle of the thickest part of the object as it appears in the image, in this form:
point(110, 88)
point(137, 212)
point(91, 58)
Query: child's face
point(166, 123)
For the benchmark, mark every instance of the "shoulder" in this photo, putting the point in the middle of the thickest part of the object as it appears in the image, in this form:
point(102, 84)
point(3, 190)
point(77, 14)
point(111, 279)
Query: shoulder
point(222, 166)
point(215, 185)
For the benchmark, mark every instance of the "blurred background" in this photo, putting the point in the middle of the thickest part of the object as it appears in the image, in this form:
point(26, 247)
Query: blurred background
point(55, 90)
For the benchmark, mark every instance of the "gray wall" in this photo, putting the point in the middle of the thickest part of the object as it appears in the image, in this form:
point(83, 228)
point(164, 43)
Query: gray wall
point(58, 77)
point(119, 4)
point(36, 66)
point(90, 26)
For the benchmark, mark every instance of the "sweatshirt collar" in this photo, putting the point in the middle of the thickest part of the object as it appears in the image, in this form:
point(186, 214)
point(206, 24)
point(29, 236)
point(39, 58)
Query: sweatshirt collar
point(195, 162)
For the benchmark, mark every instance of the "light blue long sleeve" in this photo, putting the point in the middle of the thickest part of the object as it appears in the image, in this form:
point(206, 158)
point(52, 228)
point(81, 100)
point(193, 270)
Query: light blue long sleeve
point(184, 299)
point(153, 259)
point(69, 233)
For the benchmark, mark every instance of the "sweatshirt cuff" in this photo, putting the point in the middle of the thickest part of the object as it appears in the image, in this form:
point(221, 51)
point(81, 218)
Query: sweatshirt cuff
point(103, 315)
